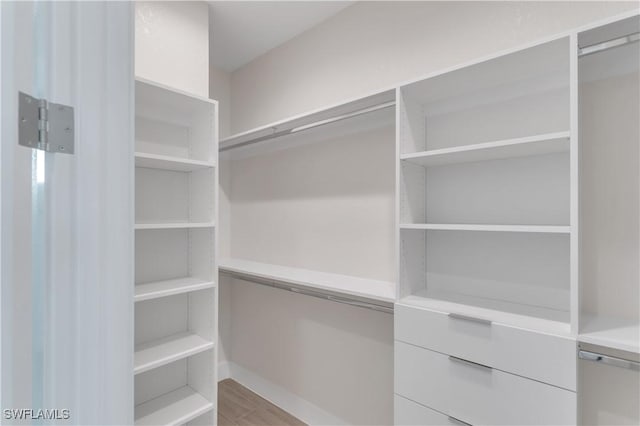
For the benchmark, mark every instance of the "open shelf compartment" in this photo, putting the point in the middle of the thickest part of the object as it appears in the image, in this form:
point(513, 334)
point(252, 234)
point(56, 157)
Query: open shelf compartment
point(177, 393)
point(167, 197)
point(517, 96)
point(496, 275)
point(523, 190)
point(609, 89)
point(174, 408)
point(174, 123)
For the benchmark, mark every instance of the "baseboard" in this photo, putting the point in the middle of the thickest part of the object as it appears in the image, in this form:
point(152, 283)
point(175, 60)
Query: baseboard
point(293, 404)
point(224, 372)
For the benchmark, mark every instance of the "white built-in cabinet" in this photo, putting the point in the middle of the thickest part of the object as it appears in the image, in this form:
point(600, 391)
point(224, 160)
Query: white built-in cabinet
point(175, 257)
point(491, 300)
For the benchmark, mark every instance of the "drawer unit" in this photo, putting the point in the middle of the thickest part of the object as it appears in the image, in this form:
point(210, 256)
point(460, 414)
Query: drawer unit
point(545, 357)
point(478, 394)
point(409, 413)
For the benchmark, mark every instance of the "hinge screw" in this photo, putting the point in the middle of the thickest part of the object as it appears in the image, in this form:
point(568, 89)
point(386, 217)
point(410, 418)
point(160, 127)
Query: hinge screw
point(61, 148)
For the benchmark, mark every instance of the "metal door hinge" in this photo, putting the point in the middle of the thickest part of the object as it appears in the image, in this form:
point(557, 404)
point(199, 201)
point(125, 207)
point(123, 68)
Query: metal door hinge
point(45, 125)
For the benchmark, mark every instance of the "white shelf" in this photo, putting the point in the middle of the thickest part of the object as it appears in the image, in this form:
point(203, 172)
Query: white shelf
point(499, 311)
point(174, 225)
point(158, 100)
point(616, 333)
point(541, 229)
point(520, 147)
point(164, 351)
point(173, 408)
point(154, 290)
point(167, 162)
point(382, 291)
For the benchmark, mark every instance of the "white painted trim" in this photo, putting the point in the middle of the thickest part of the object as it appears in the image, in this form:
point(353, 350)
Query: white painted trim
point(289, 402)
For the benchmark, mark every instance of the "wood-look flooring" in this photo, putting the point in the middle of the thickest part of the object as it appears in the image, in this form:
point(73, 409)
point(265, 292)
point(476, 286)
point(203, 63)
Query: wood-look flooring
point(238, 406)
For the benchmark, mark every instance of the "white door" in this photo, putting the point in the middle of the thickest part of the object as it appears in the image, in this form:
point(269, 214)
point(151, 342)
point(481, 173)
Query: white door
point(66, 270)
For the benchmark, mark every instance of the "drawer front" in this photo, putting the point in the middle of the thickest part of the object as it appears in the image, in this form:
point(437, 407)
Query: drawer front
point(544, 357)
point(409, 413)
point(476, 394)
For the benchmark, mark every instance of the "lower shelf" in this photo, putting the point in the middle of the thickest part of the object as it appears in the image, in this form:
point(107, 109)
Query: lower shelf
point(164, 351)
point(616, 333)
point(173, 408)
point(526, 316)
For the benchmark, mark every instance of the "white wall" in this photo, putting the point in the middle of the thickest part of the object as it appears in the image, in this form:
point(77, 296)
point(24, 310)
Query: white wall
point(337, 357)
point(372, 45)
point(298, 342)
point(328, 206)
point(172, 44)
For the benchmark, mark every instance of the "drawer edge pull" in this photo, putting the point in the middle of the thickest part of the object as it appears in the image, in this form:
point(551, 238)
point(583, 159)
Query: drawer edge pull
point(458, 421)
point(468, 318)
point(469, 363)
point(609, 360)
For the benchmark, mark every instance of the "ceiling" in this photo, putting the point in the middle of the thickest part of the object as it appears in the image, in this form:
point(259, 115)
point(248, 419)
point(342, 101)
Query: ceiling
point(243, 30)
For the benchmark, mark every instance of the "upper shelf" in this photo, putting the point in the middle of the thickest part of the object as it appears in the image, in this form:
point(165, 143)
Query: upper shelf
point(520, 147)
point(160, 102)
point(168, 162)
point(360, 114)
point(367, 289)
point(616, 333)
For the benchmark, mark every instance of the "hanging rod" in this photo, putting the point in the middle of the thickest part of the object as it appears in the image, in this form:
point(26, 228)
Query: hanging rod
point(302, 128)
point(609, 44)
point(609, 360)
point(320, 294)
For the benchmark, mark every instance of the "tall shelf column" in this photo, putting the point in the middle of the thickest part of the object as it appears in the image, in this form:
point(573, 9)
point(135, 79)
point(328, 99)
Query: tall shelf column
point(176, 289)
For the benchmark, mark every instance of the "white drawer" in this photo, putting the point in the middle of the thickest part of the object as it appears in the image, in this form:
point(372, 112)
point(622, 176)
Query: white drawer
point(545, 357)
point(476, 394)
point(409, 413)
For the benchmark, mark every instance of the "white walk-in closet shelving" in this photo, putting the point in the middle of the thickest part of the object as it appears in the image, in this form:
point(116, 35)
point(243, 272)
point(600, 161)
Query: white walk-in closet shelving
point(176, 183)
point(487, 186)
point(491, 302)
